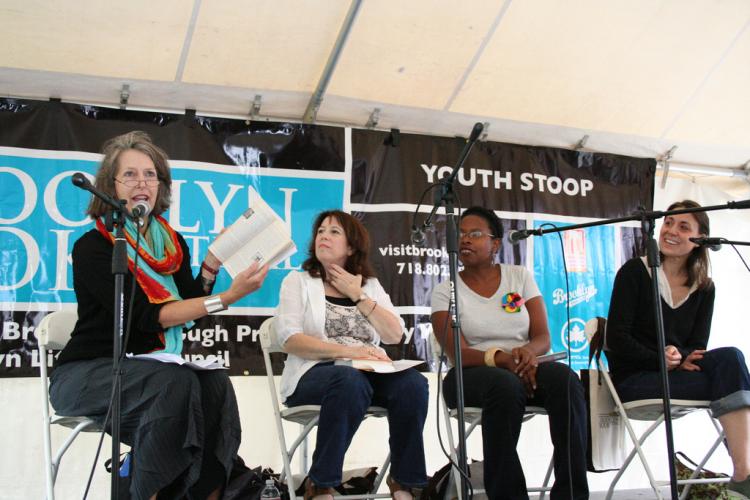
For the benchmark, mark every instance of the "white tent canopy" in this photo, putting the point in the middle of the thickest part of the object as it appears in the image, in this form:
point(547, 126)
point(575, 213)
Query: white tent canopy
point(635, 77)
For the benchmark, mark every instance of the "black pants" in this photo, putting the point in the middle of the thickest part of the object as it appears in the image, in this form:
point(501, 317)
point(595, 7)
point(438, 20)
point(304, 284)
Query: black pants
point(183, 425)
point(502, 397)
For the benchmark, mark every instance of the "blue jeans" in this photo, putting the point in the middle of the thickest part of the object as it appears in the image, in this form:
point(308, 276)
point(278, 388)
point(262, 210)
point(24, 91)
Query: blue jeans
point(723, 380)
point(502, 397)
point(344, 394)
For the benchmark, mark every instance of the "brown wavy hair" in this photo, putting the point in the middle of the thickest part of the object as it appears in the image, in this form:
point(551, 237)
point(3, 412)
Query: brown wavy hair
point(357, 238)
point(698, 263)
point(105, 176)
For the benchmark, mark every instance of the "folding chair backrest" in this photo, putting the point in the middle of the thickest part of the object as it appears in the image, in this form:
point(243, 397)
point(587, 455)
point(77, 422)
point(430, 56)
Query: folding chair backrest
point(269, 344)
point(53, 332)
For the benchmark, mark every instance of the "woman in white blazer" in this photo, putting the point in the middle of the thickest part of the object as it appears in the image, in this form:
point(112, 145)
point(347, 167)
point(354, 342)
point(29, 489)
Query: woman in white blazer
point(335, 308)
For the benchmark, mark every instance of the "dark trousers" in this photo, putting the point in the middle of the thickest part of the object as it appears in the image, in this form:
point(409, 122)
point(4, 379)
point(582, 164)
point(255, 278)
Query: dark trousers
point(502, 397)
point(344, 394)
point(183, 425)
point(723, 380)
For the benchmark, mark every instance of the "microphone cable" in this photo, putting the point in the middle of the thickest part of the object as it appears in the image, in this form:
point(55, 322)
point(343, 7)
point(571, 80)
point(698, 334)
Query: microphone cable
point(740, 256)
point(570, 356)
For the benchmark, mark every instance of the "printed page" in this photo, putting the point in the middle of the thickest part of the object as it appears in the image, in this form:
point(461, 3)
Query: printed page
point(250, 224)
point(163, 357)
point(378, 366)
point(271, 246)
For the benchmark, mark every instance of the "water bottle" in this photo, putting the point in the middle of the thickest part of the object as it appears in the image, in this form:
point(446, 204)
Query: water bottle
point(270, 491)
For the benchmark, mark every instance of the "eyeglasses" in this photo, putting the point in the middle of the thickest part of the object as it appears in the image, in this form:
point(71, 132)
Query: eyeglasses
point(475, 235)
point(131, 183)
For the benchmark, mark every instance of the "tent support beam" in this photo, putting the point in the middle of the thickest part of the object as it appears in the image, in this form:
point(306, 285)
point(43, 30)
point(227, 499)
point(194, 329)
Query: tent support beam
point(317, 97)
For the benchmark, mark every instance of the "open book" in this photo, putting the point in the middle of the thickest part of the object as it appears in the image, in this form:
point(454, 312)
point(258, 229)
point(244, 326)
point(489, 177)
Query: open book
point(258, 235)
point(380, 366)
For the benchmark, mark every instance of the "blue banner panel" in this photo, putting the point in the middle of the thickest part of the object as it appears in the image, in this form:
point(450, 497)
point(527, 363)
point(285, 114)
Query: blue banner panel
point(590, 259)
point(43, 214)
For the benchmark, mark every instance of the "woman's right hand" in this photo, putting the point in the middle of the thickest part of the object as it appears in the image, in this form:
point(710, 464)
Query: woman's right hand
point(672, 357)
point(245, 283)
point(368, 352)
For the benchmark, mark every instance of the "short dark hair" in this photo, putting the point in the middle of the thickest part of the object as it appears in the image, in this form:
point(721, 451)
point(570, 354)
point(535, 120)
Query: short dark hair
point(698, 262)
point(488, 215)
point(356, 236)
point(105, 176)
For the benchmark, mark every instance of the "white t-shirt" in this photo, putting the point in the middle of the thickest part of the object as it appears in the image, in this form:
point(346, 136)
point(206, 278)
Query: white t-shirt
point(490, 321)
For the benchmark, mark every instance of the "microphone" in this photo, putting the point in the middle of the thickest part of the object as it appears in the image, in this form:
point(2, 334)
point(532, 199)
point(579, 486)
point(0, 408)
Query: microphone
point(475, 132)
point(417, 236)
point(140, 211)
point(514, 237)
point(712, 243)
point(81, 181)
point(478, 127)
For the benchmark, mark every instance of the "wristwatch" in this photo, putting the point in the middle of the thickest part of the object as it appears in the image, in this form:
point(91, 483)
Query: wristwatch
point(213, 304)
point(362, 297)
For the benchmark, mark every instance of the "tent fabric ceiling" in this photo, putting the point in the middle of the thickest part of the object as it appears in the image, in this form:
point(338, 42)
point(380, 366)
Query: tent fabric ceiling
point(637, 76)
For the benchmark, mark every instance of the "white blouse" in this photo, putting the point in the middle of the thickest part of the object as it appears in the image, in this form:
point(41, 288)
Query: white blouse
point(302, 309)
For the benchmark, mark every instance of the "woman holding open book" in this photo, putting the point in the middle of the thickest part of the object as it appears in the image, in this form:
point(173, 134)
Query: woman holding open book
point(182, 425)
point(504, 330)
point(337, 309)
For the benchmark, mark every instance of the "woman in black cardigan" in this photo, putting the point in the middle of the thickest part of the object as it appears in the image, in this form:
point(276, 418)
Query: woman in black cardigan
point(182, 424)
point(687, 297)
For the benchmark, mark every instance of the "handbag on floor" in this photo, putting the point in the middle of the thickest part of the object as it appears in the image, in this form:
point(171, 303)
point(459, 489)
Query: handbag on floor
point(707, 491)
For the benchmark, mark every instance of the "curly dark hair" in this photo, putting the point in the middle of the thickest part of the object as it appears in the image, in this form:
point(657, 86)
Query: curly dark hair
point(488, 215)
point(357, 238)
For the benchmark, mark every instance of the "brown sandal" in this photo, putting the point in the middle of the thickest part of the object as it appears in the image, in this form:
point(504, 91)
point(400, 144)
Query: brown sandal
point(312, 491)
point(395, 487)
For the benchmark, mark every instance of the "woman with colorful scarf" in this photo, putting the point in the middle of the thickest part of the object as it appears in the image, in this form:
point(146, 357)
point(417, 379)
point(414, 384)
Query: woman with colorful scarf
point(503, 331)
point(182, 425)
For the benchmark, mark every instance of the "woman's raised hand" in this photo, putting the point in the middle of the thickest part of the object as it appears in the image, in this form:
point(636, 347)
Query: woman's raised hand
point(350, 285)
point(246, 282)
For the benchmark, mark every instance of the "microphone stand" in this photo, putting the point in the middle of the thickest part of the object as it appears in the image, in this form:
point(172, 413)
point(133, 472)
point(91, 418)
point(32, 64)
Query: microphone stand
point(735, 243)
point(119, 270)
point(652, 252)
point(447, 197)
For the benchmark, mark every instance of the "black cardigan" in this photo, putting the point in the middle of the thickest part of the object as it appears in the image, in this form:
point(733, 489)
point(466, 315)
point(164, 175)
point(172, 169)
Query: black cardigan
point(631, 328)
point(94, 287)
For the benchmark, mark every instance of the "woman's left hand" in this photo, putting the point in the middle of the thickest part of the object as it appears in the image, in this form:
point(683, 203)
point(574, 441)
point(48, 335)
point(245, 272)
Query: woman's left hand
point(350, 285)
point(524, 360)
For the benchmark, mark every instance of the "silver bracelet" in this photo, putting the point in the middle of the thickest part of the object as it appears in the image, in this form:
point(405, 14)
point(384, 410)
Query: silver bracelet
point(213, 304)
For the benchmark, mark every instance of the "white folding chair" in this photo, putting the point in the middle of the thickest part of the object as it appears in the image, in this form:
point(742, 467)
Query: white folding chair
point(53, 332)
point(473, 418)
point(307, 417)
point(650, 410)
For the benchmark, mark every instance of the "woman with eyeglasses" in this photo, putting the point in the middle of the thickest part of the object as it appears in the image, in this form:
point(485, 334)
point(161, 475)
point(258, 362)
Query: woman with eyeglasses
point(182, 425)
point(503, 330)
